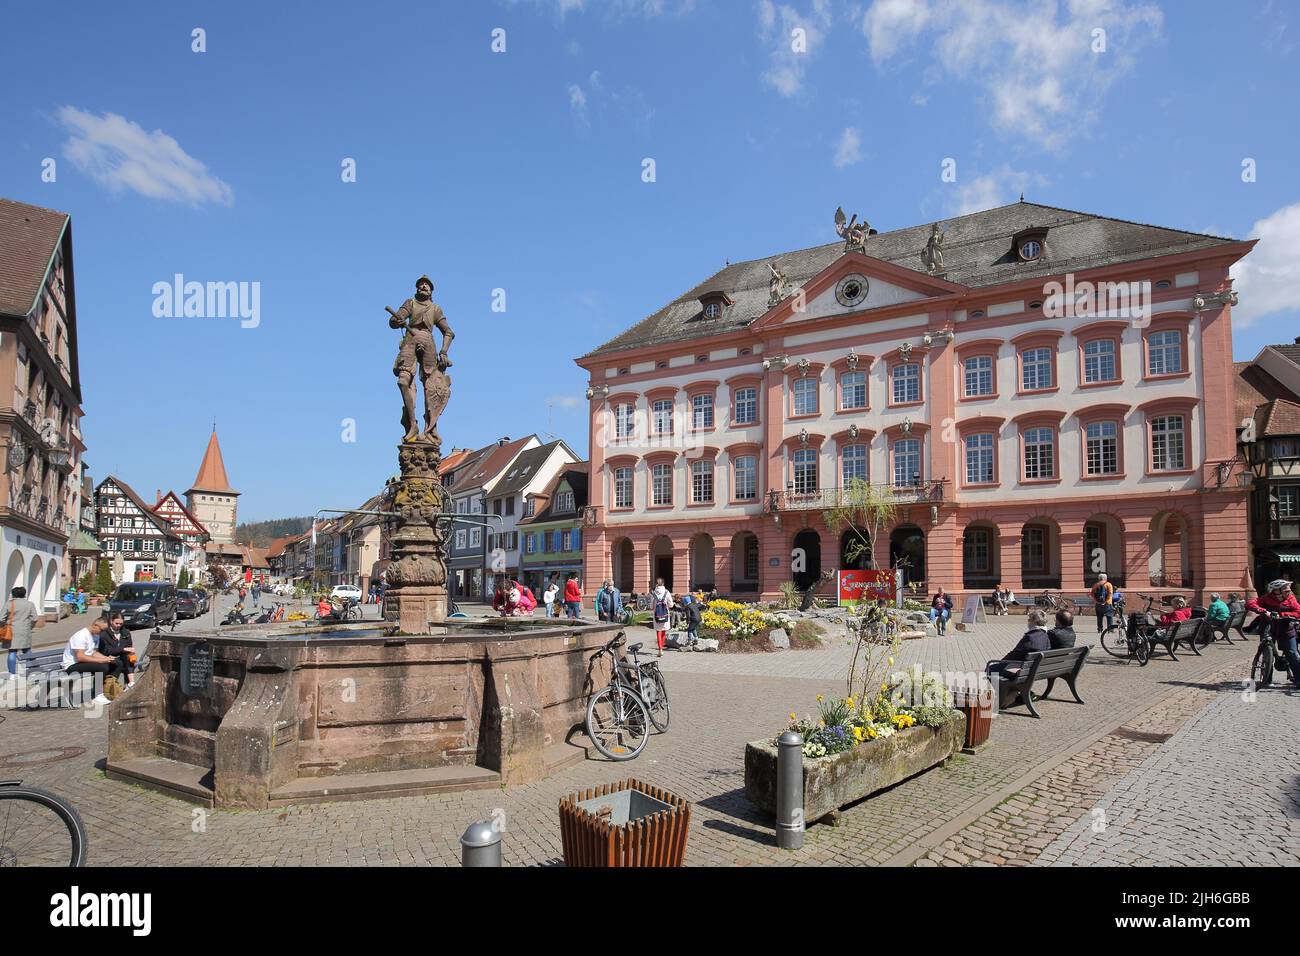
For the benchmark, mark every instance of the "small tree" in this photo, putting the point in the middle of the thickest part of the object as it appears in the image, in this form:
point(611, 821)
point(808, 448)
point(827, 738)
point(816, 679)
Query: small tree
point(220, 576)
point(863, 510)
point(183, 579)
point(104, 578)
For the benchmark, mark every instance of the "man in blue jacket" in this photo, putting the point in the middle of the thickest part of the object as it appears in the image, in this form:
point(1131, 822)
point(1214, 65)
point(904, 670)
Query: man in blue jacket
point(609, 603)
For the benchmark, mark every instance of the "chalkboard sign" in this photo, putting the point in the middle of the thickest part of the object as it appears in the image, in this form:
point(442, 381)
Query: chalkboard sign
point(196, 670)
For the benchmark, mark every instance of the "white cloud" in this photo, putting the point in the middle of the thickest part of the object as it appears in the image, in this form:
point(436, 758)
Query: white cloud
point(616, 9)
point(563, 401)
point(1034, 61)
point(849, 149)
point(578, 104)
point(1267, 278)
point(120, 154)
point(788, 67)
point(995, 188)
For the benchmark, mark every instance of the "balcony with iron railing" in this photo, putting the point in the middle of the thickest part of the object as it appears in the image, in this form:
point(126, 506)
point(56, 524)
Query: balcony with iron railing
point(824, 499)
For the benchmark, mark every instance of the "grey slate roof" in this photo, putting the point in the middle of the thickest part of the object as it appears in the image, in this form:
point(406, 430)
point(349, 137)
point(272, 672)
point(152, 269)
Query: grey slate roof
point(976, 249)
point(524, 468)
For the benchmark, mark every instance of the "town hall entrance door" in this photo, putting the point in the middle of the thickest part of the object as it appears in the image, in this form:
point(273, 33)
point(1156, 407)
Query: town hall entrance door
point(907, 551)
point(661, 562)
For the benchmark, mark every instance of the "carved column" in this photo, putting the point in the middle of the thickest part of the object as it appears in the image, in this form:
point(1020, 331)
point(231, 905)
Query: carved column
point(417, 577)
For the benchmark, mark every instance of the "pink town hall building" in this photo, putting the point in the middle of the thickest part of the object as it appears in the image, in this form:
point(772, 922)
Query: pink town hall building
point(1046, 393)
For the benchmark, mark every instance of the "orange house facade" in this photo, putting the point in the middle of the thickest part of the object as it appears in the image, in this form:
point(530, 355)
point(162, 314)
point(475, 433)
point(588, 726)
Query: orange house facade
point(1045, 395)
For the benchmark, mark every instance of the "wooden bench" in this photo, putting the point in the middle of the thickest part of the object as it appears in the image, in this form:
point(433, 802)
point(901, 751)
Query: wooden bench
point(1235, 622)
point(46, 681)
point(1184, 632)
point(1018, 688)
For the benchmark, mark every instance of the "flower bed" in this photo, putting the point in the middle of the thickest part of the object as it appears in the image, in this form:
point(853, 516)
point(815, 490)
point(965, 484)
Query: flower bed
point(888, 730)
point(746, 628)
point(850, 760)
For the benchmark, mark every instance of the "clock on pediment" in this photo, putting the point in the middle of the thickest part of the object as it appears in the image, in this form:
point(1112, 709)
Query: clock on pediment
point(851, 290)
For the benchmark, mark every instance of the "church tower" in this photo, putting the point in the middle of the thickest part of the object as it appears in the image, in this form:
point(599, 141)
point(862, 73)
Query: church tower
point(211, 499)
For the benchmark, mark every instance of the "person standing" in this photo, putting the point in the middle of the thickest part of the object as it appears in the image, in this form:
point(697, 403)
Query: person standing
point(609, 603)
point(573, 597)
point(20, 615)
point(549, 596)
point(692, 609)
point(257, 594)
point(1103, 597)
point(661, 603)
point(1280, 601)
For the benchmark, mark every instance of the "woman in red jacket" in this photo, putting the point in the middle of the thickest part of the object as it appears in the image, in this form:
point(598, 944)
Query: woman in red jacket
point(573, 597)
point(1280, 601)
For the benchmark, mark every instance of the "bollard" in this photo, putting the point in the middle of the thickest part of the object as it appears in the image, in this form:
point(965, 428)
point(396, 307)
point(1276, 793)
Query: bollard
point(789, 791)
point(480, 845)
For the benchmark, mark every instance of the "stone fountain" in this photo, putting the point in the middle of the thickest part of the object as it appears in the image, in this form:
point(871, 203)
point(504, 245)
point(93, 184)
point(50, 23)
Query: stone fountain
point(265, 715)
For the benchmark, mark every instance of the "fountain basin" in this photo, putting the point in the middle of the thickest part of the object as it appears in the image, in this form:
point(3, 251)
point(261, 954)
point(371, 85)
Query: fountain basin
point(254, 717)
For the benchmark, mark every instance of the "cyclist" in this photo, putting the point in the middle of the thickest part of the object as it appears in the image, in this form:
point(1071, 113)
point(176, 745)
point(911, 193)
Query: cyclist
point(1103, 597)
point(1281, 602)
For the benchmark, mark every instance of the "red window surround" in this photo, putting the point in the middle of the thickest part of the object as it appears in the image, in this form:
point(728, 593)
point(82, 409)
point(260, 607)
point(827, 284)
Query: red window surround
point(668, 458)
point(657, 395)
point(734, 452)
point(982, 424)
point(792, 374)
point(1039, 338)
point(704, 387)
point(838, 368)
point(1177, 322)
point(709, 455)
point(613, 463)
point(1039, 419)
point(1114, 412)
point(975, 349)
point(1182, 405)
point(1112, 330)
point(894, 359)
point(754, 381)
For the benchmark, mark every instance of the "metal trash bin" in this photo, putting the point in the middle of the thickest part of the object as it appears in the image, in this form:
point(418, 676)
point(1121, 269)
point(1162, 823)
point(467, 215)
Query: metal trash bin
point(628, 823)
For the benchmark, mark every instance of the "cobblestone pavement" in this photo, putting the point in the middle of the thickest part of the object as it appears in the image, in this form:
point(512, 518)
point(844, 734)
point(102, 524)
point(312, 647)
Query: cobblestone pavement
point(719, 703)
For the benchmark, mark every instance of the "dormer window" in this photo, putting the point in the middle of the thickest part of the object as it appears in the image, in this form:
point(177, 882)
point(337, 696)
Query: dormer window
point(1030, 244)
point(712, 302)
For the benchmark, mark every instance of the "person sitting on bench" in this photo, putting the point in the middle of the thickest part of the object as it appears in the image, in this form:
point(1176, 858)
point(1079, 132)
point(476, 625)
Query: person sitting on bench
point(82, 657)
point(1063, 634)
point(1034, 639)
point(115, 642)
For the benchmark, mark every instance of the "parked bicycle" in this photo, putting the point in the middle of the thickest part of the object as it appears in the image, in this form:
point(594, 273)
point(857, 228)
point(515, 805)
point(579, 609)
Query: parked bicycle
point(1269, 657)
point(620, 714)
point(1051, 601)
point(1130, 635)
point(38, 829)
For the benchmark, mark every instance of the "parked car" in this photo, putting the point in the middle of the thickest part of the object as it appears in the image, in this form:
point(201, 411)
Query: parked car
point(349, 591)
point(283, 590)
point(145, 603)
point(187, 605)
point(201, 596)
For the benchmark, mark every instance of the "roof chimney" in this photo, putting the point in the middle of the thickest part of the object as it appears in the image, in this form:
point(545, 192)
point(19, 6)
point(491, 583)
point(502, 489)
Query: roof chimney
point(158, 492)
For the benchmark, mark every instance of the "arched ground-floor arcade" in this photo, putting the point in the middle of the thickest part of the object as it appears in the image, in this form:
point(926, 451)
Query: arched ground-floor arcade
point(1189, 543)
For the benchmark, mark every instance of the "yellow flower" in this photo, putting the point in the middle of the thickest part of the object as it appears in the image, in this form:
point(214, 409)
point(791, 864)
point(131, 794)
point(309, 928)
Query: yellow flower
point(891, 662)
point(792, 716)
point(857, 733)
point(820, 698)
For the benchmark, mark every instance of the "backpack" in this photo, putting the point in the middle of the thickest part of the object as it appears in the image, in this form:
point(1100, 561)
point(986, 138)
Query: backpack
point(661, 609)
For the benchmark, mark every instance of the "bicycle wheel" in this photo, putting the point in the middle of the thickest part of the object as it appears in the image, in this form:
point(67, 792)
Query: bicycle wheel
point(39, 829)
point(1261, 668)
point(656, 697)
point(1142, 649)
point(617, 723)
point(1114, 641)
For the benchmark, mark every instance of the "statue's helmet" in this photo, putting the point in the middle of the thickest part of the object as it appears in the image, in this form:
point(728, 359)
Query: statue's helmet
point(424, 280)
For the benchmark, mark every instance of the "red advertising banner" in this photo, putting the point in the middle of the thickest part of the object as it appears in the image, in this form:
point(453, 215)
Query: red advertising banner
point(855, 586)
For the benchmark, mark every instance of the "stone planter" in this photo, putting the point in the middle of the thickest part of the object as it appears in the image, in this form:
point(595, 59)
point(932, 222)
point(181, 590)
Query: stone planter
point(830, 783)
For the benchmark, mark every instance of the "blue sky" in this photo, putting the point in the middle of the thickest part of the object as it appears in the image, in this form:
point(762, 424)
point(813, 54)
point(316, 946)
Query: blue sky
point(522, 171)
